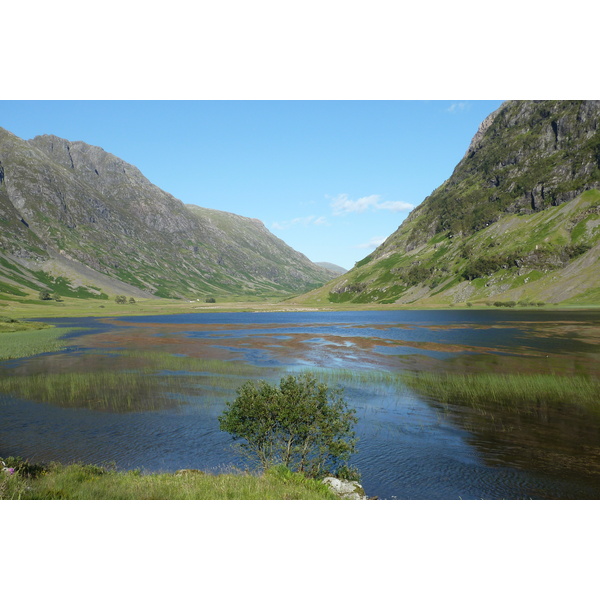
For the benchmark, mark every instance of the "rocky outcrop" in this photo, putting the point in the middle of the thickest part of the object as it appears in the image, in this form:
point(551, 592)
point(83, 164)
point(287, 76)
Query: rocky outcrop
point(346, 490)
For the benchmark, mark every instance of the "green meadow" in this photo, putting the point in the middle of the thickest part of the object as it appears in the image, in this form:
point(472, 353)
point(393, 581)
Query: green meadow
point(89, 482)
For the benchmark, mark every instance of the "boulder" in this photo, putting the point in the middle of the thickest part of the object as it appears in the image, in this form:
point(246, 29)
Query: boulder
point(188, 472)
point(346, 490)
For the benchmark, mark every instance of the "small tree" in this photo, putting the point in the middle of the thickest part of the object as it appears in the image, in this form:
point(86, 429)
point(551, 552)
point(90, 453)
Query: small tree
point(45, 295)
point(301, 424)
point(210, 300)
point(120, 299)
point(131, 300)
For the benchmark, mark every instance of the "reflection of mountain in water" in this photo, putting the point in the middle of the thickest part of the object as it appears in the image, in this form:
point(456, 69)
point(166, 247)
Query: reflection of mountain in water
point(549, 440)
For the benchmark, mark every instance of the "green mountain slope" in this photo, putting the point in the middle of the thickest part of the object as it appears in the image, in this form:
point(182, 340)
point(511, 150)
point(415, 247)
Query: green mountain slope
point(80, 221)
point(519, 219)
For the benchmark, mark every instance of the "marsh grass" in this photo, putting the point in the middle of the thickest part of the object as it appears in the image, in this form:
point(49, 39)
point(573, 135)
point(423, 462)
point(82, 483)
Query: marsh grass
point(20, 344)
point(131, 381)
point(518, 392)
point(371, 378)
point(104, 390)
point(89, 482)
point(172, 362)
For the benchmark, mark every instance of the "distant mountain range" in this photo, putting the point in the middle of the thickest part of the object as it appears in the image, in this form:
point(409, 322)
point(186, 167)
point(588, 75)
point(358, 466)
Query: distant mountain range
point(518, 220)
point(332, 268)
point(81, 222)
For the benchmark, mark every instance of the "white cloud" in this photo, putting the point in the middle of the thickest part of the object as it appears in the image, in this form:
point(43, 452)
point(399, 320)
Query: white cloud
point(342, 205)
point(457, 107)
point(395, 206)
point(302, 221)
point(373, 242)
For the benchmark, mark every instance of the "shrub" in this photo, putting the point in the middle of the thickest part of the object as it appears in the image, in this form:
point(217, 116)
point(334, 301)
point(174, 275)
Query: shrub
point(301, 424)
point(45, 295)
point(120, 299)
point(210, 300)
point(131, 300)
point(416, 275)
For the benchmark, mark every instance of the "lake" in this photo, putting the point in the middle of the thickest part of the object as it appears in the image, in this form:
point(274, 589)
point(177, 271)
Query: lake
point(411, 446)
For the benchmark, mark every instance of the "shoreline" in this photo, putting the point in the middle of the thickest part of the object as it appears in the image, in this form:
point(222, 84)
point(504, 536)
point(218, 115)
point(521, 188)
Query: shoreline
point(87, 308)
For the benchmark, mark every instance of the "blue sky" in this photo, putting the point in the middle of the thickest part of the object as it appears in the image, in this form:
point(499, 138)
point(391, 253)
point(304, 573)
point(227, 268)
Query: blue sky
point(332, 179)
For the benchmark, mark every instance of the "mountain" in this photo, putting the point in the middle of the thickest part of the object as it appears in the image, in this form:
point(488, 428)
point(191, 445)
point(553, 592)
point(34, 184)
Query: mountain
point(336, 269)
point(518, 220)
point(82, 222)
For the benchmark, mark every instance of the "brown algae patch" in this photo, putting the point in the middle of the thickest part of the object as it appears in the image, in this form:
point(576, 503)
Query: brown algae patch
point(289, 348)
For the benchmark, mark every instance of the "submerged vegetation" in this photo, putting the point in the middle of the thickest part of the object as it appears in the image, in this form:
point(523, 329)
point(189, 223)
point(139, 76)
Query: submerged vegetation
point(25, 481)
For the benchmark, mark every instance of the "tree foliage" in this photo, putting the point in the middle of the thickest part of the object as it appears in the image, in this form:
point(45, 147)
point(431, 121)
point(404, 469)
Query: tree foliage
point(301, 424)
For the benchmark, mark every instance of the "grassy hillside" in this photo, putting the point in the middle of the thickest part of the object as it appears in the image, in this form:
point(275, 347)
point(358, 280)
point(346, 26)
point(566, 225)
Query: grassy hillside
point(518, 220)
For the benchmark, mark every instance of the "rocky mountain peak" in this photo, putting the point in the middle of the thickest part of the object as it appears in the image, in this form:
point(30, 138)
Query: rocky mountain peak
point(84, 206)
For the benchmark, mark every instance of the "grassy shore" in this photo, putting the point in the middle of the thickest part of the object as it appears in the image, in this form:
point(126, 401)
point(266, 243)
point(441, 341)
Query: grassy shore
point(12, 325)
point(89, 482)
point(76, 307)
point(19, 344)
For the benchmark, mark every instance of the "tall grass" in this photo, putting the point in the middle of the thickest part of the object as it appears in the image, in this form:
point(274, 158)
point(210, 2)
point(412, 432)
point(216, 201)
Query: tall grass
point(131, 381)
point(515, 391)
point(89, 482)
point(371, 378)
point(105, 390)
point(172, 362)
point(367, 376)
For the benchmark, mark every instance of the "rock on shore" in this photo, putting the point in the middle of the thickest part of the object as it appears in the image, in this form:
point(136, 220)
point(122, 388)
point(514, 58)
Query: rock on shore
point(346, 490)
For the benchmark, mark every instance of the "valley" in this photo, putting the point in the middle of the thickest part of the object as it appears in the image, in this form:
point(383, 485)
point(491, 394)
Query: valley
point(466, 342)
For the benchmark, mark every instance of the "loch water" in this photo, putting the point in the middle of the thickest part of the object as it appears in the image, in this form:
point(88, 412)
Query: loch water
point(411, 445)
